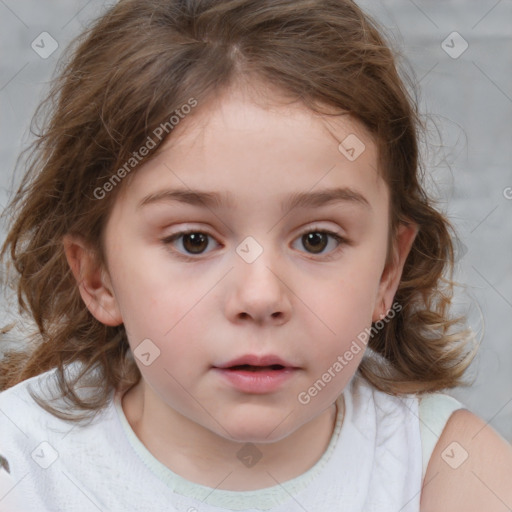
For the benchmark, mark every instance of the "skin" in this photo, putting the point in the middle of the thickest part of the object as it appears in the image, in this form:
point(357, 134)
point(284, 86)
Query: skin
point(481, 482)
point(303, 306)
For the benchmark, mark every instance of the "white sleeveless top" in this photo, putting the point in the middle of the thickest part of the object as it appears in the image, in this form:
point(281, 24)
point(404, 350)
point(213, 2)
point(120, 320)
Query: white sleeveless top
point(375, 460)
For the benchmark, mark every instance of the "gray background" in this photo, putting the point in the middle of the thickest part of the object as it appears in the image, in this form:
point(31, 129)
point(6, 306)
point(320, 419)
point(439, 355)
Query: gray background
point(467, 99)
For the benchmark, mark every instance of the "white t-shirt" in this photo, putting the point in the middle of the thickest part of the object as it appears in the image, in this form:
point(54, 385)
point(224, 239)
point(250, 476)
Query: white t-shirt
point(374, 462)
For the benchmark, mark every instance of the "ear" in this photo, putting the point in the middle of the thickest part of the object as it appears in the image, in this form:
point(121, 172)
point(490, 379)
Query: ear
point(93, 281)
point(392, 272)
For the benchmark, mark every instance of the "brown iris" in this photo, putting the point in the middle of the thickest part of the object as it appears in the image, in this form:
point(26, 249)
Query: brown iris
point(195, 243)
point(315, 242)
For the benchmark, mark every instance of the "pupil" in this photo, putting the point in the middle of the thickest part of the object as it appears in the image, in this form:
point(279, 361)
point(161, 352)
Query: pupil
point(312, 239)
point(197, 241)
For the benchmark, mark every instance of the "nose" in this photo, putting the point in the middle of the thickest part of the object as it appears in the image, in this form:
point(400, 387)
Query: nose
point(258, 292)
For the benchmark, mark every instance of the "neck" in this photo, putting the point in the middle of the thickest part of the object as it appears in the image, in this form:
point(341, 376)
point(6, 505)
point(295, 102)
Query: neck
point(203, 457)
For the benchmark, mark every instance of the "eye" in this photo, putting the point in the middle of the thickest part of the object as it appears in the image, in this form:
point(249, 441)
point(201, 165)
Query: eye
point(192, 242)
point(195, 243)
point(315, 241)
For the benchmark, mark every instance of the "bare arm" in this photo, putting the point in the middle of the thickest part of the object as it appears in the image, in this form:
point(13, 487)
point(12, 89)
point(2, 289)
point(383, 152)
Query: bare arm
point(470, 469)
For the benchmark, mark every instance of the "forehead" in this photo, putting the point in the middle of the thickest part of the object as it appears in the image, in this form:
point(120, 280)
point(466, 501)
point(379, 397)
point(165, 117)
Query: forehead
point(255, 143)
point(254, 115)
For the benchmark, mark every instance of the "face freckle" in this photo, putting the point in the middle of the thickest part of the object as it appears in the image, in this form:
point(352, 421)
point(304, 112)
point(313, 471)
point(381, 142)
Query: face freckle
point(261, 194)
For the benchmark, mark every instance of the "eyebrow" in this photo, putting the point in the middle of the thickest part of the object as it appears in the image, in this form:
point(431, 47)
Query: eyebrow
point(295, 200)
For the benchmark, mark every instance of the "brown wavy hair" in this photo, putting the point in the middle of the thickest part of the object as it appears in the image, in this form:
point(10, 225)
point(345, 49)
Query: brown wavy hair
point(131, 70)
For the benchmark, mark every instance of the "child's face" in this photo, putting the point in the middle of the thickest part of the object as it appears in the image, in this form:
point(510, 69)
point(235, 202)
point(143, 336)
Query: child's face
point(252, 284)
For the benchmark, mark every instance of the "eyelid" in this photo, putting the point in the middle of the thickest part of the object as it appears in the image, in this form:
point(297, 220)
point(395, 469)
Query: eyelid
point(319, 229)
point(187, 232)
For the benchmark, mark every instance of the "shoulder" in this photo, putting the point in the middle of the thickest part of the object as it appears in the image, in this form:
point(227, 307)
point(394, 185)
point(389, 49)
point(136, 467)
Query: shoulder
point(17, 407)
point(21, 418)
point(27, 427)
point(37, 447)
point(22, 425)
point(470, 468)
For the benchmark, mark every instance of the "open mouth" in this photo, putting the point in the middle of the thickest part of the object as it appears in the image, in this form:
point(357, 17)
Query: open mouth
point(251, 368)
point(257, 378)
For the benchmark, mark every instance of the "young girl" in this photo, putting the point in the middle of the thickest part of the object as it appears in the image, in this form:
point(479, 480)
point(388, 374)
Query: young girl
point(241, 288)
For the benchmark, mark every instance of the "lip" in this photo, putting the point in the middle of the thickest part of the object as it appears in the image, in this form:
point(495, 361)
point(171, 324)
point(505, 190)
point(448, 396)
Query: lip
point(256, 381)
point(255, 360)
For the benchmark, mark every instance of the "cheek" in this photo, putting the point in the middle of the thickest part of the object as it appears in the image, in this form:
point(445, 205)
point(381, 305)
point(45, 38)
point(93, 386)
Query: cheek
point(339, 316)
point(142, 292)
point(162, 305)
point(346, 302)
point(348, 314)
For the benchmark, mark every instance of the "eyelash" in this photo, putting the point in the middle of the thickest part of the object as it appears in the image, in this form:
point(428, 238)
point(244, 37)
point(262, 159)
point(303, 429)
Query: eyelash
point(167, 241)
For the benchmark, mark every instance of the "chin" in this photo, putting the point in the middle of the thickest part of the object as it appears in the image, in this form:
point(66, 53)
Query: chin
point(256, 437)
point(256, 429)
